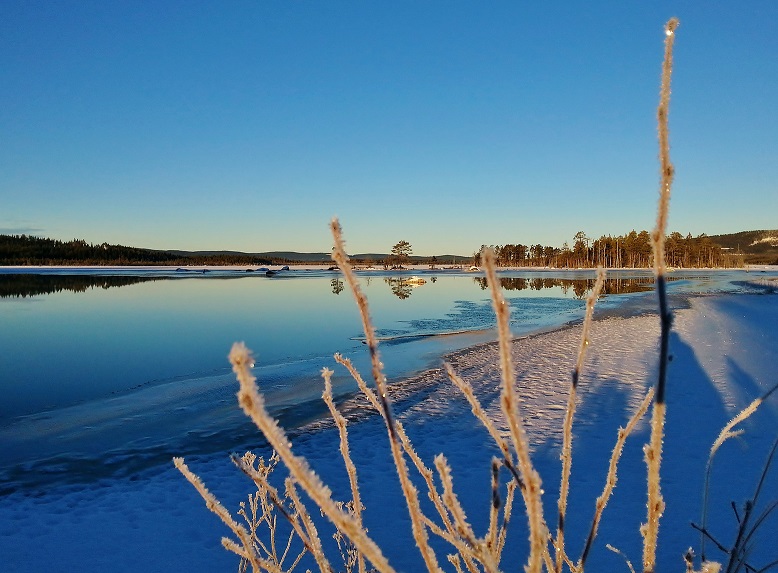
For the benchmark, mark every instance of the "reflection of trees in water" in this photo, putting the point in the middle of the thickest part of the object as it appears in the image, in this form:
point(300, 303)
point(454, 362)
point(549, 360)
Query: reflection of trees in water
point(580, 287)
point(26, 285)
point(337, 286)
point(400, 288)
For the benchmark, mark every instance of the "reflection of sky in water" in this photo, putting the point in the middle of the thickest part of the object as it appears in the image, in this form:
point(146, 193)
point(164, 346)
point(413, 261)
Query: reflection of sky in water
point(67, 347)
point(118, 367)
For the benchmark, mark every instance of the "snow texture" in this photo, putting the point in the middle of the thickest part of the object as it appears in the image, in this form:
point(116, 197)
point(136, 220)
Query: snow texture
point(724, 350)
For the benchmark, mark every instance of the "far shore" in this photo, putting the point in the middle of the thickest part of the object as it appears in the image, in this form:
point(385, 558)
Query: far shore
point(22, 269)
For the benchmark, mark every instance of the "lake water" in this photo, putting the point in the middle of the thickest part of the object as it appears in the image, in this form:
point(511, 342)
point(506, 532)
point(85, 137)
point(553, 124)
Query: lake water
point(105, 372)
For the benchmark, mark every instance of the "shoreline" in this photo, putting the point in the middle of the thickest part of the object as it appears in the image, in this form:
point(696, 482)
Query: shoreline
point(99, 269)
point(724, 346)
point(637, 322)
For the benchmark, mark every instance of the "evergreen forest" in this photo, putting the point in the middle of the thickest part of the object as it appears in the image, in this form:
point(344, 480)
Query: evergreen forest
point(28, 250)
point(632, 250)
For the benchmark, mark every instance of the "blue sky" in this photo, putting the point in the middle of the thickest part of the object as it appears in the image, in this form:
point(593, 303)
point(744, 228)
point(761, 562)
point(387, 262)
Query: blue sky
point(248, 125)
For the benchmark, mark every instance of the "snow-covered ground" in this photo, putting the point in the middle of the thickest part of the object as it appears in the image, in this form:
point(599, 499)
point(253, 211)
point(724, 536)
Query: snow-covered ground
point(724, 349)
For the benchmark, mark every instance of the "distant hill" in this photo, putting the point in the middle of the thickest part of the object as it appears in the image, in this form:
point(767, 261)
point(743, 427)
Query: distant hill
point(757, 247)
point(28, 250)
point(323, 258)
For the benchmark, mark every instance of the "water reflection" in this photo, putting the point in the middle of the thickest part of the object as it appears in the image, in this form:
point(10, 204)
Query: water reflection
point(337, 286)
point(580, 287)
point(29, 285)
point(403, 287)
point(152, 357)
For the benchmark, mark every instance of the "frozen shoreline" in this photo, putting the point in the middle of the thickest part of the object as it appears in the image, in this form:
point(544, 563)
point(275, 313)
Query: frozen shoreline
point(725, 348)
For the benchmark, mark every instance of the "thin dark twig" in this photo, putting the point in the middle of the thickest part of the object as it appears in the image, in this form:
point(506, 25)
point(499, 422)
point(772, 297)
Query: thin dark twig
point(734, 508)
point(739, 547)
point(768, 566)
point(766, 468)
point(514, 472)
point(709, 535)
point(759, 520)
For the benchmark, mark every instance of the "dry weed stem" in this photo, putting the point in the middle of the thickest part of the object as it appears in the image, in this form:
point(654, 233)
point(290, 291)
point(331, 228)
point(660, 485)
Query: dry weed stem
point(567, 430)
point(653, 451)
point(409, 490)
point(510, 405)
point(254, 406)
point(351, 469)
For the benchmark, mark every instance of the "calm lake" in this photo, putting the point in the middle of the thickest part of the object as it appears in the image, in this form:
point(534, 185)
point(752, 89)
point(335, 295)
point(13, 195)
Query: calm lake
point(105, 372)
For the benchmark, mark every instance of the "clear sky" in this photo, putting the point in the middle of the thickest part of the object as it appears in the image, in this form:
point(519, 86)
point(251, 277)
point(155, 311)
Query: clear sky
point(247, 125)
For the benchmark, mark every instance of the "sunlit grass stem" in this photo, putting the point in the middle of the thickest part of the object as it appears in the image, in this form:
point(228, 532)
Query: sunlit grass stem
point(567, 429)
point(351, 469)
point(254, 406)
point(510, 405)
point(610, 480)
point(726, 433)
point(653, 450)
point(264, 487)
point(247, 551)
point(450, 533)
point(409, 490)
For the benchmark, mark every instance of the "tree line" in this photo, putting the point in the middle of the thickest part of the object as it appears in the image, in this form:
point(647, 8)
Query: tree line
point(27, 250)
point(632, 250)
